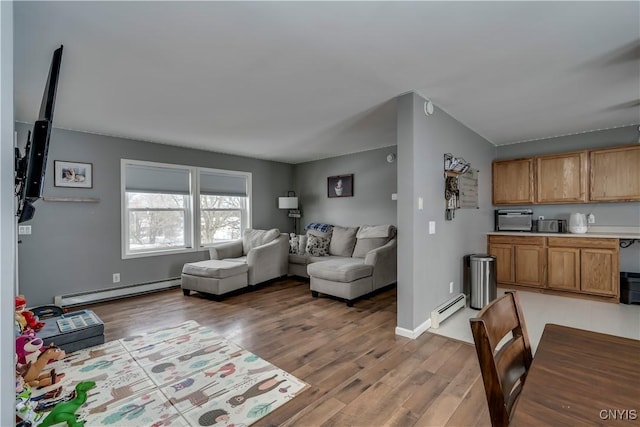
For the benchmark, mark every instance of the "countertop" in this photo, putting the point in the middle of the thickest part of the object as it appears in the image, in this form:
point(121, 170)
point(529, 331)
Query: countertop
point(623, 233)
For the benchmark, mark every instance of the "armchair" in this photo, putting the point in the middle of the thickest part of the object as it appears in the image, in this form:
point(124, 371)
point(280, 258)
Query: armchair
point(264, 251)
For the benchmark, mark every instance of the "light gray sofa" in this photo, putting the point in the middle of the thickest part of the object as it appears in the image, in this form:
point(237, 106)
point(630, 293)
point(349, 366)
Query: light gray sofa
point(359, 260)
point(266, 261)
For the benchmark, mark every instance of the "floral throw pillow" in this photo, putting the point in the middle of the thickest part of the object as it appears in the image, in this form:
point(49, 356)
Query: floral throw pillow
point(294, 242)
point(317, 246)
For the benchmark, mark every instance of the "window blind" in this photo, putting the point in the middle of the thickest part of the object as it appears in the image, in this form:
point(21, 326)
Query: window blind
point(156, 179)
point(220, 184)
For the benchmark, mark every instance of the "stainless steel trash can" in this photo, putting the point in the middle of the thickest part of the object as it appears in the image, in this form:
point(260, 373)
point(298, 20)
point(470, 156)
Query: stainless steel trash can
point(482, 280)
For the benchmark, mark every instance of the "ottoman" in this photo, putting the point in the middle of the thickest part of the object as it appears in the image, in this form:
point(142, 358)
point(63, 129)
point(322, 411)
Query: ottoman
point(347, 278)
point(214, 276)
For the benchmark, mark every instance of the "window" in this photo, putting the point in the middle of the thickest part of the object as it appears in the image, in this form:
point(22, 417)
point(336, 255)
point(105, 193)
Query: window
point(223, 205)
point(159, 208)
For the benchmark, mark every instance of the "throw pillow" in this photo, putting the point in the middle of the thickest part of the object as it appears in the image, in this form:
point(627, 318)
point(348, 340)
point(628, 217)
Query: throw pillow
point(302, 246)
point(316, 245)
point(294, 242)
point(254, 238)
point(343, 241)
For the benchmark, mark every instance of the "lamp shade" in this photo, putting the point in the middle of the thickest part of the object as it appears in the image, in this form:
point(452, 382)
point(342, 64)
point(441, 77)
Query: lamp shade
point(288, 202)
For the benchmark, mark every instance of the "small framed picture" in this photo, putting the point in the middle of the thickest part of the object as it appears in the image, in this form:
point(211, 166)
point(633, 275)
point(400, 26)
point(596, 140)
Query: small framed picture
point(73, 174)
point(340, 186)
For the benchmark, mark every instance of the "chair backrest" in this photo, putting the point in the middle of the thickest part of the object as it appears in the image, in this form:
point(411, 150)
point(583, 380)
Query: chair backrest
point(503, 370)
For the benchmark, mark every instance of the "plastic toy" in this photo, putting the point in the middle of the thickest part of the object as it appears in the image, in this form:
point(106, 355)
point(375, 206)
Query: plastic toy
point(26, 318)
point(66, 411)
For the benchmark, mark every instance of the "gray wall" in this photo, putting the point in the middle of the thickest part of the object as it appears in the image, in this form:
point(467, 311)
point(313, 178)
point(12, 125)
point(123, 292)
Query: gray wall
point(427, 263)
point(607, 214)
point(7, 218)
point(75, 247)
point(374, 180)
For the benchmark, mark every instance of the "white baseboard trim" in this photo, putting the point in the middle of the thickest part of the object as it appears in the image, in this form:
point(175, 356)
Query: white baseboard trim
point(83, 298)
point(413, 334)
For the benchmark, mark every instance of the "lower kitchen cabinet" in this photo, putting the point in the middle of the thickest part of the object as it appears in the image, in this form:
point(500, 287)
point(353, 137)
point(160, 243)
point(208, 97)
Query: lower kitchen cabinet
point(519, 259)
point(578, 266)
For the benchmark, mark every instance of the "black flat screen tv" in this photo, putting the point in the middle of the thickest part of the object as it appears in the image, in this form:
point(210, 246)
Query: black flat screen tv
point(30, 169)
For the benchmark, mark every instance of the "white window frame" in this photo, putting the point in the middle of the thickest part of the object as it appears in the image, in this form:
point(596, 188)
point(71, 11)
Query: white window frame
point(192, 209)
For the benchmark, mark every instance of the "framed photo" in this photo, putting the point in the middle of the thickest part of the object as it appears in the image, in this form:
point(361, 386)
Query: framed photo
point(73, 174)
point(340, 186)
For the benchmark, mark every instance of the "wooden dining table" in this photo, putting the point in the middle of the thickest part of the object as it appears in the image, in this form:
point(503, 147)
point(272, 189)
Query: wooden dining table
point(581, 378)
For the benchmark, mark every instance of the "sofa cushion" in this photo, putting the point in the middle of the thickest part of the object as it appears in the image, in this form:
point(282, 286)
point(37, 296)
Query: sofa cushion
point(254, 238)
point(340, 270)
point(214, 268)
point(298, 259)
point(317, 246)
point(375, 231)
point(325, 258)
point(343, 240)
point(363, 246)
point(370, 237)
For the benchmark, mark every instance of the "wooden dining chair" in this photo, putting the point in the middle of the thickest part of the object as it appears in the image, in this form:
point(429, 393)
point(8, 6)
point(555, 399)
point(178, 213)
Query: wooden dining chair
point(504, 369)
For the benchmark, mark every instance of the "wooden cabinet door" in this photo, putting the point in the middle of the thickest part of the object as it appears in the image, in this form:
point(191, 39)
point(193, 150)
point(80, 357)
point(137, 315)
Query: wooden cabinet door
point(599, 271)
point(562, 178)
point(615, 174)
point(530, 265)
point(563, 268)
point(504, 262)
point(513, 182)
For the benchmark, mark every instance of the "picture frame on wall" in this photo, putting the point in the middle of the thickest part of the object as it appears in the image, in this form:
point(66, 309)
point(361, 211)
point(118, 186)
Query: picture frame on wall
point(340, 186)
point(73, 174)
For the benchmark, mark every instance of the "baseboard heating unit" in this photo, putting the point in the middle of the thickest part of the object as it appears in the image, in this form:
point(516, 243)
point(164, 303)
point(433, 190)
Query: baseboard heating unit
point(447, 309)
point(90, 297)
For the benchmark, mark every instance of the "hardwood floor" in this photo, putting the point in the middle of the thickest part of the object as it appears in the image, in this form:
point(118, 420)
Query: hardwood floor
point(360, 373)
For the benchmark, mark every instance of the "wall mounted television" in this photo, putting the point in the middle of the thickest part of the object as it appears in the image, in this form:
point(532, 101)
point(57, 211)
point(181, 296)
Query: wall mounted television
point(30, 169)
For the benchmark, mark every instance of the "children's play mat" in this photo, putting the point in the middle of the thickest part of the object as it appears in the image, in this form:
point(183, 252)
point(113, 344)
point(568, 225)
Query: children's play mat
point(185, 375)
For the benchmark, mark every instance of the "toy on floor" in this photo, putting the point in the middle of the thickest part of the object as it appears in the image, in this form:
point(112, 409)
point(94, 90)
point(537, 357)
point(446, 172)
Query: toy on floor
point(33, 377)
point(24, 317)
point(28, 347)
point(66, 411)
point(25, 411)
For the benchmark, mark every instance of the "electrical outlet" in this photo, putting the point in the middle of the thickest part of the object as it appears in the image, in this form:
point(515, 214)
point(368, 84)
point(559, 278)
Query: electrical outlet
point(591, 218)
point(24, 229)
point(450, 287)
point(116, 277)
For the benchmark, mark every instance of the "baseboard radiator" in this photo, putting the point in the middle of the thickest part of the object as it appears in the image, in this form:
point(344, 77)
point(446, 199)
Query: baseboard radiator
point(90, 297)
point(447, 309)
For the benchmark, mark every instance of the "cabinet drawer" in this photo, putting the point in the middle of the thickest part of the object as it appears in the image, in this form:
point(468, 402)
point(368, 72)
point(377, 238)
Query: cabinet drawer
point(582, 242)
point(517, 240)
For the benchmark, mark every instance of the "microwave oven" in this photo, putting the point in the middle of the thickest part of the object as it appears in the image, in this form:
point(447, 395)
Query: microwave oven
point(514, 220)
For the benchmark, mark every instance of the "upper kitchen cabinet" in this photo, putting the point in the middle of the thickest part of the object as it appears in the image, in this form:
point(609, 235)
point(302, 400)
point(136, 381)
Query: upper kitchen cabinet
point(615, 174)
point(513, 182)
point(561, 178)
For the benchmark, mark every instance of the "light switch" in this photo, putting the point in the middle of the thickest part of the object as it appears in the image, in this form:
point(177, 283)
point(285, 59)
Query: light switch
point(420, 203)
point(432, 227)
point(394, 196)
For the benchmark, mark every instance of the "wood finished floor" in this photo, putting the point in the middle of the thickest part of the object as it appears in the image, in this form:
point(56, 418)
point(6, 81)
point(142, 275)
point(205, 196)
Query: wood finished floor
point(360, 373)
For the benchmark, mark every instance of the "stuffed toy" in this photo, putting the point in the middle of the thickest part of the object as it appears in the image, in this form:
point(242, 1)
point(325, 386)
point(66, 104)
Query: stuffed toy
point(26, 318)
point(28, 347)
point(33, 376)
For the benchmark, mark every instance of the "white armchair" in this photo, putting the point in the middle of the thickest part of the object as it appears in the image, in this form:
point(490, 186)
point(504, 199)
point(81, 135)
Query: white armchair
point(265, 252)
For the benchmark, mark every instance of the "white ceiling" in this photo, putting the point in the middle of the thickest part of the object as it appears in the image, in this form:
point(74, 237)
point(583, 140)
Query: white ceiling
point(298, 81)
